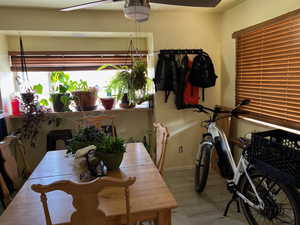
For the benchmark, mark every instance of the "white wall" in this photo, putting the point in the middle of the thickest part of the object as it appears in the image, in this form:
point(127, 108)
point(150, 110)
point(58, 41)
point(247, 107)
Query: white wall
point(6, 83)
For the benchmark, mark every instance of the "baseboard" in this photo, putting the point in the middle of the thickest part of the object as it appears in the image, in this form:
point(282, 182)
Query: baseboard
point(180, 168)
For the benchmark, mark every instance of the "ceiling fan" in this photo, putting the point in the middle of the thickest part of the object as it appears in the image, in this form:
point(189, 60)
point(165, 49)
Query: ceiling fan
point(139, 9)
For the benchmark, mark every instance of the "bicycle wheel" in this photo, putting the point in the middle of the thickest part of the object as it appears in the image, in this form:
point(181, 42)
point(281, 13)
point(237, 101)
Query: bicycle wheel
point(202, 168)
point(280, 202)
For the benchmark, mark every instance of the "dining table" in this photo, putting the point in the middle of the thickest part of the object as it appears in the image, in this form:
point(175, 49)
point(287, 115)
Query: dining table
point(150, 197)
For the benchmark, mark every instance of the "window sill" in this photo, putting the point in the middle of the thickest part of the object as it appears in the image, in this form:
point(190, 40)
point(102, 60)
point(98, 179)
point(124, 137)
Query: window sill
point(138, 108)
point(269, 125)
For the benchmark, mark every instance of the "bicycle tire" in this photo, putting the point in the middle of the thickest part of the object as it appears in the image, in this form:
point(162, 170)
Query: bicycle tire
point(202, 168)
point(273, 209)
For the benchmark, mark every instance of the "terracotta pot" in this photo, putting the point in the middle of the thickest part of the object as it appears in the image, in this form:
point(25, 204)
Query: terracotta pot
point(85, 100)
point(107, 103)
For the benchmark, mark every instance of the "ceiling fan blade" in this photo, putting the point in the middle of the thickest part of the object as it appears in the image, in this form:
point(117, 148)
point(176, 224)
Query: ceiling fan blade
point(87, 5)
point(193, 3)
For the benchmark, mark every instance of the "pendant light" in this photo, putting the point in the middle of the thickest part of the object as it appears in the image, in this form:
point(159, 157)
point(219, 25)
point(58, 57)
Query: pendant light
point(137, 10)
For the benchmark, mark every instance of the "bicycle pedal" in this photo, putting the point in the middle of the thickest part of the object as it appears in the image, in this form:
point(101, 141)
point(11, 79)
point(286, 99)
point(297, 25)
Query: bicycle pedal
point(231, 187)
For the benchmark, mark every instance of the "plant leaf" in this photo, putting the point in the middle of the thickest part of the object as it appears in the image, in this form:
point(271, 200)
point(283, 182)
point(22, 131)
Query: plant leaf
point(44, 102)
point(65, 100)
point(38, 88)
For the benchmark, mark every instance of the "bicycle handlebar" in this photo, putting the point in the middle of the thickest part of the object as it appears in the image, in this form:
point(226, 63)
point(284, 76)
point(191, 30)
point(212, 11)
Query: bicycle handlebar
point(217, 110)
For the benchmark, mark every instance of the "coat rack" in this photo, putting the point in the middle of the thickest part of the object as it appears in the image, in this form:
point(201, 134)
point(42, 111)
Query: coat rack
point(181, 51)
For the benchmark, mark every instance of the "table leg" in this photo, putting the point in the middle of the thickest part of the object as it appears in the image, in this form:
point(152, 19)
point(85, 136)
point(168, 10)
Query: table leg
point(164, 217)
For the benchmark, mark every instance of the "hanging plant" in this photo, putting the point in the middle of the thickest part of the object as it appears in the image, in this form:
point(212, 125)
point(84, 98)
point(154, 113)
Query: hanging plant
point(133, 82)
point(33, 113)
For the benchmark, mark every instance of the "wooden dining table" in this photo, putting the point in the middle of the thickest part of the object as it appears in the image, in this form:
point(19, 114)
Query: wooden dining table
point(150, 197)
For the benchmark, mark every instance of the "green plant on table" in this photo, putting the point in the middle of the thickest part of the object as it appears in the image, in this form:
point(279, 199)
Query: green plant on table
point(93, 136)
point(85, 137)
point(112, 144)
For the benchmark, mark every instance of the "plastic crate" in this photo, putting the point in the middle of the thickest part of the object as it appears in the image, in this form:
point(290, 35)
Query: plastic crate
point(277, 153)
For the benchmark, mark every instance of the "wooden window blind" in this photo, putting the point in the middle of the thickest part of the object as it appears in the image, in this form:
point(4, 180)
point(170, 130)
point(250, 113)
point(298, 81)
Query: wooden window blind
point(268, 70)
point(72, 61)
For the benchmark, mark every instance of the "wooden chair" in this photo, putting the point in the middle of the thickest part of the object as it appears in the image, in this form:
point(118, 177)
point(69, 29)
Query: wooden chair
point(10, 164)
point(6, 199)
point(19, 149)
point(85, 198)
point(99, 122)
point(162, 135)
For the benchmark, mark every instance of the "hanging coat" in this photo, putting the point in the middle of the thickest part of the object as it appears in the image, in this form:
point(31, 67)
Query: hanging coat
point(191, 93)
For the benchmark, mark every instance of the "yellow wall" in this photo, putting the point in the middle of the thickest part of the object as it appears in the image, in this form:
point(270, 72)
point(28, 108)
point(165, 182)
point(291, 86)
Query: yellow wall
point(44, 43)
point(249, 12)
point(6, 83)
point(170, 29)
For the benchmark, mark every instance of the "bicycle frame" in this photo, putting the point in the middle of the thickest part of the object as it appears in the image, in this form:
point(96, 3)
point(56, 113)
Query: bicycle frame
point(238, 170)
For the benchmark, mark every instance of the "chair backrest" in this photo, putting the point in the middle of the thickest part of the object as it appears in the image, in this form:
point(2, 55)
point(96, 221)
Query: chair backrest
point(85, 198)
point(19, 148)
point(99, 122)
point(162, 135)
point(4, 192)
point(10, 164)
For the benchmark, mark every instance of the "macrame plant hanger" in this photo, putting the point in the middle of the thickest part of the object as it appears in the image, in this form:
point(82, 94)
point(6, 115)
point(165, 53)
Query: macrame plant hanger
point(27, 87)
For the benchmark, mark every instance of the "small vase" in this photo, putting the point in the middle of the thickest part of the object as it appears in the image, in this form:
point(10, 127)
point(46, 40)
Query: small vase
point(107, 103)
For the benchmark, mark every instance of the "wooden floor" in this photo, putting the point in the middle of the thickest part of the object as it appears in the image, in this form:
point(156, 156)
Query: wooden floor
point(206, 208)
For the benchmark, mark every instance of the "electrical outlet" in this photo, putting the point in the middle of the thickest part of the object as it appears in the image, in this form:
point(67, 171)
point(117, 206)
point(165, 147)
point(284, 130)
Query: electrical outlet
point(180, 149)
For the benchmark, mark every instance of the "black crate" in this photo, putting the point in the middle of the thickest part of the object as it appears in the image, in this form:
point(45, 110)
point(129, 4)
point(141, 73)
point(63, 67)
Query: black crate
point(278, 150)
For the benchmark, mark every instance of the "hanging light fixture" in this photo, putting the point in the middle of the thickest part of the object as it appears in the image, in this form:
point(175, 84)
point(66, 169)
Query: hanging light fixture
point(137, 10)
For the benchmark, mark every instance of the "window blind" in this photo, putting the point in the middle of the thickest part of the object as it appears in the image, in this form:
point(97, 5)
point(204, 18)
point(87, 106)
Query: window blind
point(268, 70)
point(72, 61)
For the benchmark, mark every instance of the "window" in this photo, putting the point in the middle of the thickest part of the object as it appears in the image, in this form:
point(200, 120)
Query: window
point(94, 78)
point(268, 70)
point(79, 65)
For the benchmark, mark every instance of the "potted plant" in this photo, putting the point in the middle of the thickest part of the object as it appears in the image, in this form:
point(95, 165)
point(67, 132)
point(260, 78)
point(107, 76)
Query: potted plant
point(34, 115)
point(109, 149)
point(85, 137)
point(129, 84)
point(60, 96)
point(85, 97)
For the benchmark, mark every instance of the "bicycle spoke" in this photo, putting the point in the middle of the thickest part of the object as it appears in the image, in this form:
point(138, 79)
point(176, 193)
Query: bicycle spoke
point(278, 209)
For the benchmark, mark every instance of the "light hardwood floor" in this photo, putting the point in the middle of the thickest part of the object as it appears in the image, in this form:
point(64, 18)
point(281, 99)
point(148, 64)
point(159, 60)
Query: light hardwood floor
point(206, 208)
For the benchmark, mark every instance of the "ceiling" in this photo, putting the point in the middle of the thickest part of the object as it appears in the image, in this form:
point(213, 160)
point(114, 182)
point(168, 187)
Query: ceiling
point(57, 4)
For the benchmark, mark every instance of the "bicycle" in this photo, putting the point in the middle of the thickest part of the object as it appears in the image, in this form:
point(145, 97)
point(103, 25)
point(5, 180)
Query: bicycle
point(263, 199)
